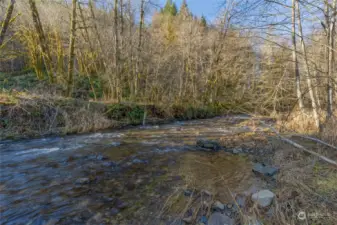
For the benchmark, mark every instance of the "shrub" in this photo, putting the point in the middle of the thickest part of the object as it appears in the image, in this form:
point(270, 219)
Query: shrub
point(117, 111)
point(135, 115)
point(132, 113)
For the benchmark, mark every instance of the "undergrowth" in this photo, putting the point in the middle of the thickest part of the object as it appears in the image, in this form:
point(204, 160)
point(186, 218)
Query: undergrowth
point(33, 115)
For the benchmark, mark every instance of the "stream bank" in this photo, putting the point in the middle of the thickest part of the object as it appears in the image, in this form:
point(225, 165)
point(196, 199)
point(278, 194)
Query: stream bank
point(24, 116)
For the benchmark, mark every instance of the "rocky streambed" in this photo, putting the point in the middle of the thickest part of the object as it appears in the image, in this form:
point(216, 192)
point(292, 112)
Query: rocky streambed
point(198, 172)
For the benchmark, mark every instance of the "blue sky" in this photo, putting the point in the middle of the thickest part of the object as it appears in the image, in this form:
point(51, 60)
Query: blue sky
point(208, 8)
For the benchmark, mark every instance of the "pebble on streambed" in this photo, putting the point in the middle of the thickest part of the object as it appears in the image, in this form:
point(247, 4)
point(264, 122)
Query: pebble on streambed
point(263, 198)
point(226, 214)
point(83, 180)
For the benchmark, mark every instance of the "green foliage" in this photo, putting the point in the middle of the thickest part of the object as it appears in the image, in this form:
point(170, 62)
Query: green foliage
point(203, 21)
point(19, 82)
point(135, 116)
point(170, 8)
point(4, 123)
point(195, 112)
point(117, 111)
point(132, 113)
point(85, 90)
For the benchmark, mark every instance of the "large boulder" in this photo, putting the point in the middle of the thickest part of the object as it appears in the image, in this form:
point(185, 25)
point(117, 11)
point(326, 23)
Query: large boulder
point(263, 198)
point(208, 145)
point(220, 219)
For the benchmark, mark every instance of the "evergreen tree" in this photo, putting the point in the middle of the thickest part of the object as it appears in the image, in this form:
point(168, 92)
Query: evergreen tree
point(167, 6)
point(174, 9)
point(203, 21)
point(170, 8)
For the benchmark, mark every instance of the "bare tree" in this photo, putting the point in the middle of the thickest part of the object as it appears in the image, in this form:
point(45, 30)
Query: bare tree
point(331, 61)
point(139, 46)
point(6, 22)
point(71, 62)
point(43, 41)
point(117, 56)
point(294, 55)
point(305, 58)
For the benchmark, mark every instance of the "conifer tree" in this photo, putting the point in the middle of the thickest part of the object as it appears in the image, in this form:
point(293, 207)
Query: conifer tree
point(203, 21)
point(170, 8)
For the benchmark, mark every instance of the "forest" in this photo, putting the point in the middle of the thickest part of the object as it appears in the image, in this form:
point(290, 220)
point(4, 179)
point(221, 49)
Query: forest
point(261, 57)
point(157, 112)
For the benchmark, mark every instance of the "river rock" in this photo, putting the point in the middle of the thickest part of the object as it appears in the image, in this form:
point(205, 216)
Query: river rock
point(101, 157)
point(114, 212)
point(220, 219)
point(139, 161)
point(255, 222)
point(109, 164)
point(263, 198)
point(70, 159)
point(237, 150)
point(207, 193)
point(52, 222)
point(218, 206)
point(83, 180)
point(262, 169)
point(208, 144)
point(188, 193)
point(121, 204)
point(241, 200)
point(96, 219)
point(203, 220)
point(52, 164)
point(188, 219)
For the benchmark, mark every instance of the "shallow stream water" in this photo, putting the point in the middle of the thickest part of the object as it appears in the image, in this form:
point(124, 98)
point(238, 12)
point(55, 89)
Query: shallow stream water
point(115, 177)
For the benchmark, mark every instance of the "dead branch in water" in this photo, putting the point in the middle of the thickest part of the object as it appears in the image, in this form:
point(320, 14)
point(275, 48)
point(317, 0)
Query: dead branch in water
point(298, 145)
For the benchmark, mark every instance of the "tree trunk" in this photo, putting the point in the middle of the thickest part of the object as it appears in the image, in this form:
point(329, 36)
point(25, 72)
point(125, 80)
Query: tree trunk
point(139, 47)
point(117, 81)
point(72, 49)
point(308, 78)
point(130, 49)
point(43, 41)
point(331, 59)
point(5, 24)
point(85, 27)
point(95, 26)
point(326, 50)
point(295, 60)
point(122, 21)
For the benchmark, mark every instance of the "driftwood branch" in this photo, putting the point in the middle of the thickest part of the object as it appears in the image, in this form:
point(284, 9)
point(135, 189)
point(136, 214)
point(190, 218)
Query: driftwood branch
point(315, 140)
point(299, 146)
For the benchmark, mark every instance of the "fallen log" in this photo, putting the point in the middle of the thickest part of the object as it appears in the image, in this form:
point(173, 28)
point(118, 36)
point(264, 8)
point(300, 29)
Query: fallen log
point(315, 140)
point(298, 145)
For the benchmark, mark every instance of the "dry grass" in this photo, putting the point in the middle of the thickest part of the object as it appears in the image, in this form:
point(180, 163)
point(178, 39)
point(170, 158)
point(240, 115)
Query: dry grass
point(33, 115)
point(329, 132)
point(304, 184)
point(299, 122)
